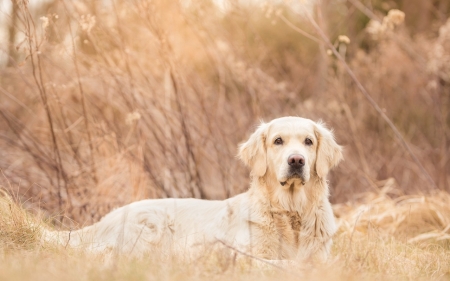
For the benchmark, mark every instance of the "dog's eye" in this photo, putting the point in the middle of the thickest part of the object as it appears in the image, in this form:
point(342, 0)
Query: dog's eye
point(308, 141)
point(278, 141)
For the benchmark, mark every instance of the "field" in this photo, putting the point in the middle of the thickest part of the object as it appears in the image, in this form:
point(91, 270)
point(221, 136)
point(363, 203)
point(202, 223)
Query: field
point(106, 103)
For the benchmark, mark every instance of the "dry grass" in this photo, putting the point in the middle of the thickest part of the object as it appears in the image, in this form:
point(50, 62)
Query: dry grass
point(411, 218)
point(18, 229)
point(142, 99)
point(102, 105)
point(372, 243)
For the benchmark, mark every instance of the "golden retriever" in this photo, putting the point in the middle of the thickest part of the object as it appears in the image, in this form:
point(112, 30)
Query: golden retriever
point(285, 214)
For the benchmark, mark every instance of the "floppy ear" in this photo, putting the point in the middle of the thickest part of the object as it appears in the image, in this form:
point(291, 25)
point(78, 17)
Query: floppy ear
point(253, 151)
point(329, 153)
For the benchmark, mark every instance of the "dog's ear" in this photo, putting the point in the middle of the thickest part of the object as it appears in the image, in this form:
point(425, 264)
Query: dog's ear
point(329, 153)
point(253, 151)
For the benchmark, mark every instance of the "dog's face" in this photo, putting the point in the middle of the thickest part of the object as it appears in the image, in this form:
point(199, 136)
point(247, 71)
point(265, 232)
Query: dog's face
point(291, 149)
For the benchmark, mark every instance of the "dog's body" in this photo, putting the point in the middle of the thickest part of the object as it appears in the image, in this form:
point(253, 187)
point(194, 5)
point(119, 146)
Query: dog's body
point(284, 215)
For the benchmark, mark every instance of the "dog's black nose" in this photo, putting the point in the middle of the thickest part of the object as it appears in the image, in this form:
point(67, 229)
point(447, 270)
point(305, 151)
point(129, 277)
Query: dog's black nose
point(296, 160)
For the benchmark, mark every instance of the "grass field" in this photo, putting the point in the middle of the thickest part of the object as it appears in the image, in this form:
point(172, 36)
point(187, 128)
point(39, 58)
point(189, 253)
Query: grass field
point(103, 103)
point(379, 238)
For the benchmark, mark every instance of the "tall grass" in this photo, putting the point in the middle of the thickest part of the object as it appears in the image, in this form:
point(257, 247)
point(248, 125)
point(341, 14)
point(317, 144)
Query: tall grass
point(110, 103)
point(104, 103)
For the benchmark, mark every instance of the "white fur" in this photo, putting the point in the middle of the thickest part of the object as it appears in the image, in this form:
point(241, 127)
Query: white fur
point(271, 221)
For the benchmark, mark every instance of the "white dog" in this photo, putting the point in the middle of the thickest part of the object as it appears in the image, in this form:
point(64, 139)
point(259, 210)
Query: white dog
point(285, 214)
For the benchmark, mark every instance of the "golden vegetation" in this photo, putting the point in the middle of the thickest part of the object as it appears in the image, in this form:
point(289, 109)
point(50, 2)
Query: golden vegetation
point(373, 242)
point(106, 103)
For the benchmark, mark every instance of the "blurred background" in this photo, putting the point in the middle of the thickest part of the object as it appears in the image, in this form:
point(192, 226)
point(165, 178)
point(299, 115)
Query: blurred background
point(108, 102)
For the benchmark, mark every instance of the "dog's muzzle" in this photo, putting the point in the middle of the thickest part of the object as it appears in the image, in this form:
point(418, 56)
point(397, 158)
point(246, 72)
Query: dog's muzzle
point(296, 163)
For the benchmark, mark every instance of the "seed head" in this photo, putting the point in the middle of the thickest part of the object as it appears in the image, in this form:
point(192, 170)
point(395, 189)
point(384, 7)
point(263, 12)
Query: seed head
point(344, 39)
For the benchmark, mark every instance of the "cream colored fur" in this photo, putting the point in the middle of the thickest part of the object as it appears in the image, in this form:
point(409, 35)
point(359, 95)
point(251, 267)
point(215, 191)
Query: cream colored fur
point(270, 221)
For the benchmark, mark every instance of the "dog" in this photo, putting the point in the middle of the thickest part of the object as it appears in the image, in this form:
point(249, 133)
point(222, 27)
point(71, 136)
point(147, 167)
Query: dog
point(284, 215)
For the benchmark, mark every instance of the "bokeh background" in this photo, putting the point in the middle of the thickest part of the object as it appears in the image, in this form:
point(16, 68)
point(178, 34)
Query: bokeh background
point(106, 102)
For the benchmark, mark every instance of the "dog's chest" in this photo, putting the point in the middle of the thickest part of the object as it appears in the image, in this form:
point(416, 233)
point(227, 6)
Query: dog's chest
point(280, 237)
point(287, 225)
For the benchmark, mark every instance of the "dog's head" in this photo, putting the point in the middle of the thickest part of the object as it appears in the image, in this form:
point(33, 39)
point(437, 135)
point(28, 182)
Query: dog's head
point(291, 149)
